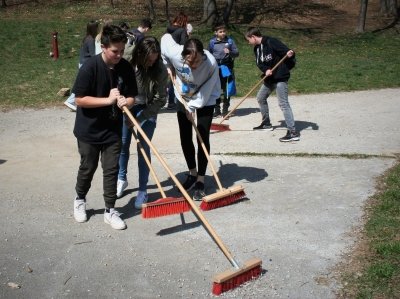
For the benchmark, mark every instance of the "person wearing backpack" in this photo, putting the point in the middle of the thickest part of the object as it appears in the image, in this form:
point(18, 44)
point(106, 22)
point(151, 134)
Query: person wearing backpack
point(268, 51)
point(135, 35)
point(224, 49)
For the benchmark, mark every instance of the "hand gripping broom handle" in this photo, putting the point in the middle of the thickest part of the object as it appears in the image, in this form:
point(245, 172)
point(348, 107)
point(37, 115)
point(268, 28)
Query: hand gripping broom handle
point(201, 140)
point(195, 209)
point(251, 90)
point(146, 158)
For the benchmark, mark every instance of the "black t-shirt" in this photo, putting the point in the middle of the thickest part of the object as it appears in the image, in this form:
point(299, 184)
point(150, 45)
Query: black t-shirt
point(104, 124)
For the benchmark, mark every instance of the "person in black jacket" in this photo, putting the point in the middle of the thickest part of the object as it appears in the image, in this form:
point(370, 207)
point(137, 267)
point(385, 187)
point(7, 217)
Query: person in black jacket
point(268, 51)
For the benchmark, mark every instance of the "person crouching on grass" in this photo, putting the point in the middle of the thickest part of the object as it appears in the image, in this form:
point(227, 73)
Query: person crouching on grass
point(104, 84)
point(268, 51)
point(197, 83)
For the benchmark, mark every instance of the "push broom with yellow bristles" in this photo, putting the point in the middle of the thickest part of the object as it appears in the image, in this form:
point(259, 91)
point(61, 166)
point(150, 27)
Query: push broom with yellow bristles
point(166, 205)
point(222, 197)
point(223, 127)
point(229, 279)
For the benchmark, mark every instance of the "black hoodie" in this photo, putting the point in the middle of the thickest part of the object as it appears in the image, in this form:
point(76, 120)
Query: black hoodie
point(268, 53)
point(179, 34)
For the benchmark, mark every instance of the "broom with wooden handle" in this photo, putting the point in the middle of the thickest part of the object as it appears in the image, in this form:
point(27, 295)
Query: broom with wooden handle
point(223, 196)
point(165, 205)
point(223, 127)
point(228, 279)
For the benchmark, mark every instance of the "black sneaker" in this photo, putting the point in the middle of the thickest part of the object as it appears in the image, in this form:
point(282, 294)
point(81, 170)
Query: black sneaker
point(198, 191)
point(290, 136)
point(217, 113)
point(171, 106)
point(264, 127)
point(189, 183)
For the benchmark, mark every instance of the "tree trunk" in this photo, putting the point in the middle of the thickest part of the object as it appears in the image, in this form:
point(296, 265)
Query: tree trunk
point(388, 7)
point(3, 3)
point(210, 14)
point(227, 11)
point(152, 10)
point(167, 11)
point(362, 16)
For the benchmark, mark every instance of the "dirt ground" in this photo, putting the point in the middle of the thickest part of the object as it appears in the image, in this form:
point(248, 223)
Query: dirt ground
point(299, 217)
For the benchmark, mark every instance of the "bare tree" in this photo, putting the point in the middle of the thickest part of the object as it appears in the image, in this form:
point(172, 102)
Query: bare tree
point(167, 10)
point(210, 15)
point(389, 7)
point(362, 16)
point(152, 10)
point(227, 11)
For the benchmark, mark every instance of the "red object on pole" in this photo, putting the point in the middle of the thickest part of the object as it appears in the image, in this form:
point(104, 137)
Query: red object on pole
point(54, 52)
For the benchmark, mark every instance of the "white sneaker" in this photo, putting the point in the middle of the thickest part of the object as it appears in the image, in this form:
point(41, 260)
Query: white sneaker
point(113, 218)
point(141, 198)
point(70, 106)
point(80, 210)
point(121, 186)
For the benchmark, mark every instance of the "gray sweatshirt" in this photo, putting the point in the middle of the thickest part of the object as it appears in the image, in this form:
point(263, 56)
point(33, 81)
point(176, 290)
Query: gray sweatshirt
point(199, 87)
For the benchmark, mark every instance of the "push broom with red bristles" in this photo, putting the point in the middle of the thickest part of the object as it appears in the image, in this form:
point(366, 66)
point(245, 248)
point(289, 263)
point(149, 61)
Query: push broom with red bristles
point(223, 127)
point(222, 197)
point(166, 205)
point(229, 279)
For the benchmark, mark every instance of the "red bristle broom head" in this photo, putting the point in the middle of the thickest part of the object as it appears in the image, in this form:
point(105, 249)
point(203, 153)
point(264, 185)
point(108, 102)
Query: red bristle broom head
point(164, 207)
point(221, 199)
point(219, 127)
point(231, 279)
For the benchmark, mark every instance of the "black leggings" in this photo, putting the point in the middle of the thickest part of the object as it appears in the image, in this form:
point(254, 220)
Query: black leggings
point(204, 119)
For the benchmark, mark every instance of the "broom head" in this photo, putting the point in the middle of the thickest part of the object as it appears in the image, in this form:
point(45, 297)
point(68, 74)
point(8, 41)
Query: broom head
point(222, 198)
point(231, 279)
point(219, 127)
point(164, 207)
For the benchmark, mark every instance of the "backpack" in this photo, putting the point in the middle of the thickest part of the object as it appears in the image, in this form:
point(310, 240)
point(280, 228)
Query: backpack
point(214, 39)
point(129, 46)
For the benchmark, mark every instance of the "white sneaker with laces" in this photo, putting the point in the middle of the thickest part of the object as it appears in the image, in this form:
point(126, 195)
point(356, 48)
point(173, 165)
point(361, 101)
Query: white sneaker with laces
point(141, 198)
point(80, 210)
point(113, 218)
point(121, 186)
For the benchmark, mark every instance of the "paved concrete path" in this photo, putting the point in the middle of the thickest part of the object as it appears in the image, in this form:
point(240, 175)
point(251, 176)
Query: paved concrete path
point(299, 216)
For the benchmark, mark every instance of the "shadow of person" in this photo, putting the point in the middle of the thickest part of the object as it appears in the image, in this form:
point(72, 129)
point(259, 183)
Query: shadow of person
point(301, 125)
point(244, 111)
point(231, 173)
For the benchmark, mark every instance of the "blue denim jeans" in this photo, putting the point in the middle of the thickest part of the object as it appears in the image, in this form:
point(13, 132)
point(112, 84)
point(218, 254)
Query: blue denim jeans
point(283, 101)
point(148, 127)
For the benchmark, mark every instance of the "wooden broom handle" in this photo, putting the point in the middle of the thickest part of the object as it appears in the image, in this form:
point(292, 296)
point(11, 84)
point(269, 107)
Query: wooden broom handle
point(251, 90)
point(146, 158)
point(194, 207)
point(201, 139)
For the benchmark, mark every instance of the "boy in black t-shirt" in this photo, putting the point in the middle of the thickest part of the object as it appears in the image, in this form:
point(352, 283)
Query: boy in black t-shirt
point(105, 83)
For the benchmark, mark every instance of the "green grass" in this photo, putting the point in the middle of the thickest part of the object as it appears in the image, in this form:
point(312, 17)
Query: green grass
point(30, 78)
point(380, 276)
